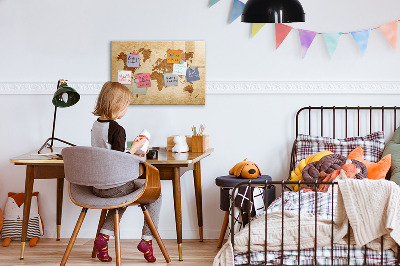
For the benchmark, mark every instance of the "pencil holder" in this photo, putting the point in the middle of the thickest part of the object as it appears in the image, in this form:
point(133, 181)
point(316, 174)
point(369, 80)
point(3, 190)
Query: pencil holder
point(200, 143)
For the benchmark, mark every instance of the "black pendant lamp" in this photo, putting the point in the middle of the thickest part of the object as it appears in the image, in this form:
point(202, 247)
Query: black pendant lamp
point(273, 11)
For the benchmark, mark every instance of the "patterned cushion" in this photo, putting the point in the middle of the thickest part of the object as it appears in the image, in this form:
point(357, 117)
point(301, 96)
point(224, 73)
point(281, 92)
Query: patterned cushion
point(372, 144)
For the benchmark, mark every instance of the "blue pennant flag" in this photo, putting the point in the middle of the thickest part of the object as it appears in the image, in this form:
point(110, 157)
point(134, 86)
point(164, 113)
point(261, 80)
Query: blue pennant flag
point(361, 37)
point(213, 2)
point(237, 9)
point(332, 41)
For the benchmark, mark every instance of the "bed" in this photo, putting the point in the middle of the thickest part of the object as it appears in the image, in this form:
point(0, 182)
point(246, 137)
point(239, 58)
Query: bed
point(312, 210)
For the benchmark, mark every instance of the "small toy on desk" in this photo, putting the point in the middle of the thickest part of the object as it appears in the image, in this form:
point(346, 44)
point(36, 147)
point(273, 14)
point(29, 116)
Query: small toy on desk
point(13, 215)
point(180, 144)
point(245, 169)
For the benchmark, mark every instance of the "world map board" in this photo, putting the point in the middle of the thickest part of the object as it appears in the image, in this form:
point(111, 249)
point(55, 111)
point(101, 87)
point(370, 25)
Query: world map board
point(160, 72)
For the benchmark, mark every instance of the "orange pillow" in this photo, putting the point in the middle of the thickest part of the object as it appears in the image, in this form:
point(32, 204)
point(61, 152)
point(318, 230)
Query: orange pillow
point(375, 170)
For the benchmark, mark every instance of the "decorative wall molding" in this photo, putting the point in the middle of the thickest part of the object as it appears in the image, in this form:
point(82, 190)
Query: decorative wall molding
point(233, 87)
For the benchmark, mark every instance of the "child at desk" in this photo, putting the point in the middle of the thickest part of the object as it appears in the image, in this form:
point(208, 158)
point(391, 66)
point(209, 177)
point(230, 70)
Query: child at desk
point(112, 103)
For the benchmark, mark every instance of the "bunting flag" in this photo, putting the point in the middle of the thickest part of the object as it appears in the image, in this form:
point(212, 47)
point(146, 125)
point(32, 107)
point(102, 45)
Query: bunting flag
point(281, 31)
point(389, 30)
point(306, 39)
point(361, 37)
point(332, 41)
point(213, 2)
point(256, 27)
point(237, 9)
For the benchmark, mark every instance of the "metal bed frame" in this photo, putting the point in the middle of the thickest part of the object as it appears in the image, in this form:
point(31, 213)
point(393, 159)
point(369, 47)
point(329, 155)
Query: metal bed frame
point(283, 184)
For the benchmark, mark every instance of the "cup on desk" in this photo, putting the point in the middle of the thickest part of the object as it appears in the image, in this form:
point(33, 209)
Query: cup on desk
point(152, 155)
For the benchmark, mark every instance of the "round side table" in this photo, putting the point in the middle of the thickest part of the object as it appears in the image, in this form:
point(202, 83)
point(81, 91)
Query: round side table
point(226, 183)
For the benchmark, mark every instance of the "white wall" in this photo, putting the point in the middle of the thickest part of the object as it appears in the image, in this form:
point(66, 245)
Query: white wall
point(42, 41)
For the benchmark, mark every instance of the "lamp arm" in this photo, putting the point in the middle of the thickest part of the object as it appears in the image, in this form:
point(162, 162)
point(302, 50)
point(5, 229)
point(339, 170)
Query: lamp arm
point(54, 126)
point(54, 118)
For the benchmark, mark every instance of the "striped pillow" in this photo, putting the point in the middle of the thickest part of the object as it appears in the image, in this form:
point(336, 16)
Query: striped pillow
point(372, 145)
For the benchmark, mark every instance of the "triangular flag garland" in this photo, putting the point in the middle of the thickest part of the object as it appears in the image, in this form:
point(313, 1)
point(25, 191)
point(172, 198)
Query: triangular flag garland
point(213, 2)
point(389, 30)
point(281, 31)
point(361, 37)
point(306, 39)
point(332, 41)
point(256, 27)
point(237, 9)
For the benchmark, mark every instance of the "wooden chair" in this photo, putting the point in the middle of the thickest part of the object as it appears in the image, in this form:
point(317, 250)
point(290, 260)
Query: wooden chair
point(85, 167)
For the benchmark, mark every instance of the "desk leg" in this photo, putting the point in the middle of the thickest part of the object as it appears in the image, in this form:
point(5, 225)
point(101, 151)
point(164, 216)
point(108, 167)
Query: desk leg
point(60, 190)
point(199, 204)
point(27, 206)
point(176, 182)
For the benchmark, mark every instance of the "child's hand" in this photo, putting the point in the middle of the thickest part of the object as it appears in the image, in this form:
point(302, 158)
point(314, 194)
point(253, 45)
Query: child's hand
point(137, 144)
point(143, 155)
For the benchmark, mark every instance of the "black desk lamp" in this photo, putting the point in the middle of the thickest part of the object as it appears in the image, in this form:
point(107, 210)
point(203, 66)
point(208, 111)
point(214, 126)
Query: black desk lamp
point(65, 96)
point(273, 11)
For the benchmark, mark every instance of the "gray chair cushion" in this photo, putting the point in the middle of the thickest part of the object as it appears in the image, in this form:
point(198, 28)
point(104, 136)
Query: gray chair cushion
point(84, 196)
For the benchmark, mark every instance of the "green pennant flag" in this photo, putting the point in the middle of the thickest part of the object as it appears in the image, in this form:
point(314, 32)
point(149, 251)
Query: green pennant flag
point(213, 2)
point(256, 27)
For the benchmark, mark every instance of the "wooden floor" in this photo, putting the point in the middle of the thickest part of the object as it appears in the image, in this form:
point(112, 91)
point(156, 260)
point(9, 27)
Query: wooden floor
point(50, 252)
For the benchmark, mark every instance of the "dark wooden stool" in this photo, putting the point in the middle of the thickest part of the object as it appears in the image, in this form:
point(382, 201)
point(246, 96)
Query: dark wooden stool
point(226, 183)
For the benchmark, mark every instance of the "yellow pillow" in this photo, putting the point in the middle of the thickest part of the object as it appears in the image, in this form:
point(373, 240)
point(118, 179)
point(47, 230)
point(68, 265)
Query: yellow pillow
point(296, 174)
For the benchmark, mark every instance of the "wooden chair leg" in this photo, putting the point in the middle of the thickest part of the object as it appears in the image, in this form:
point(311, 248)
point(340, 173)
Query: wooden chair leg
point(101, 222)
point(154, 230)
point(223, 229)
point(117, 238)
point(73, 237)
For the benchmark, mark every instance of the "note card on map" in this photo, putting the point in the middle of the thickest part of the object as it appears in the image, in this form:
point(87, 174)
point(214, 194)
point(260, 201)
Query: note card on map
point(133, 60)
point(125, 77)
point(144, 80)
point(136, 90)
point(180, 69)
point(174, 56)
point(192, 74)
point(170, 79)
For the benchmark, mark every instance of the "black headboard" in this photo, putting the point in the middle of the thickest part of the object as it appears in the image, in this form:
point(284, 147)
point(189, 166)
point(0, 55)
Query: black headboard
point(344, 121)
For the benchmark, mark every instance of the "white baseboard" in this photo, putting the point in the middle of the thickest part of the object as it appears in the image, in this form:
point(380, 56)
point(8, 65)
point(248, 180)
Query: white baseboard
point(231, 87)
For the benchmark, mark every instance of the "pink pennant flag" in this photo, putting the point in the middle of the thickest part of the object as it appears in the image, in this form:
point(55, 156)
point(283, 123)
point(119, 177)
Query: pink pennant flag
point(389, 30)
point(306, 39)
point(281, 31)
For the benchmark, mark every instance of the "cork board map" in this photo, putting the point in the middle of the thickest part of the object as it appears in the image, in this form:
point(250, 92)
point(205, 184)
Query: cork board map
point(161, 72)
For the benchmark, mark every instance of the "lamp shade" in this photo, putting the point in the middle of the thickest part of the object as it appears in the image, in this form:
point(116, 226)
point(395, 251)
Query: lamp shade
point(273, 11)
point(65, 96)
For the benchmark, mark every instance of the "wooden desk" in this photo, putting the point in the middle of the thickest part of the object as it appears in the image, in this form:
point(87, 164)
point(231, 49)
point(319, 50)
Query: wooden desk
point(40, 167)
point(171, 167)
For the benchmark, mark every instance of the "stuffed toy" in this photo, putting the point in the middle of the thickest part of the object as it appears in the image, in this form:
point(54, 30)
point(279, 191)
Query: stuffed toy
point(245, 169)
point(296, 174)
point(13, 215)
point(180, 144)
point(375, 170)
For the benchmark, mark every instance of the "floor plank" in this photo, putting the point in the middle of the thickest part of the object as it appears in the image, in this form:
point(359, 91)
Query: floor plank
point(49, 252)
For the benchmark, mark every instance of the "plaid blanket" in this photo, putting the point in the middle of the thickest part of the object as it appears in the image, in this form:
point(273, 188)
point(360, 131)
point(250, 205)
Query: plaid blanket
point(323, 205)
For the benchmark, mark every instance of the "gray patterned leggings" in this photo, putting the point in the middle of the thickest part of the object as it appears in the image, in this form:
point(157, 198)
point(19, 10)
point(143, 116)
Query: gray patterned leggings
point(154, 208)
